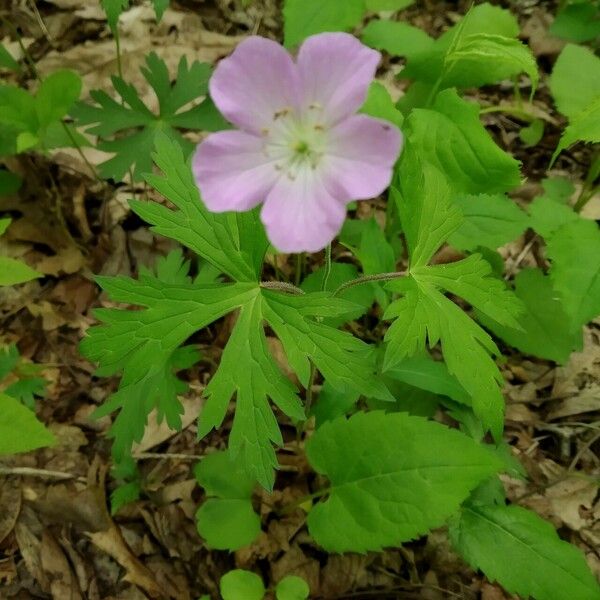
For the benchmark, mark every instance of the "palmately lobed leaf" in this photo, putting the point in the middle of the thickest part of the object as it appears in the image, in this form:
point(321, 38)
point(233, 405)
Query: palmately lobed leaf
point(392, 478)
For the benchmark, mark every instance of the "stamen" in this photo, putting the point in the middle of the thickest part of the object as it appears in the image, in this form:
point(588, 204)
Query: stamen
point(281, 113)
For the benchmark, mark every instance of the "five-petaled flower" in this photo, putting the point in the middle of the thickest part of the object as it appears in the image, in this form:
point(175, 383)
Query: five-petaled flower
point(300, 147)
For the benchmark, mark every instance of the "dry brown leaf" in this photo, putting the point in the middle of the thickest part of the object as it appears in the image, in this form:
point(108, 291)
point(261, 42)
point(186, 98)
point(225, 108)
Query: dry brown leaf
point(62, 581)
point(10, 503)
point(568, 498)
point(28, 531)
point(295, 562)
point(587, 401)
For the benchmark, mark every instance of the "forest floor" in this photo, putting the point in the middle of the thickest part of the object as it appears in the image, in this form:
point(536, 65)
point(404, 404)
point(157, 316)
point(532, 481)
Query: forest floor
point(57, 538)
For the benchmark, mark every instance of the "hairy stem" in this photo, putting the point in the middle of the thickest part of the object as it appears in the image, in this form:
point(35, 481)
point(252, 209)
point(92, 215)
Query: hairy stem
point(282, 286)
point(368, 279)
point(327, 267)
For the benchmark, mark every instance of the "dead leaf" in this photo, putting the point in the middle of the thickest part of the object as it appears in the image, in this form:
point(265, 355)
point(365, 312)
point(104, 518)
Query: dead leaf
point(62, 581)
point(10, 501)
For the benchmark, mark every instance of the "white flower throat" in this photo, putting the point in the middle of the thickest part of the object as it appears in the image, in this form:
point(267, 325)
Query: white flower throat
point(295, 141)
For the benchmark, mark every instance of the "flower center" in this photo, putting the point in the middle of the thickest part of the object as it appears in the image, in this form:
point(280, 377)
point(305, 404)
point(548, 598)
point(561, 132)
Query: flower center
point(296, 142)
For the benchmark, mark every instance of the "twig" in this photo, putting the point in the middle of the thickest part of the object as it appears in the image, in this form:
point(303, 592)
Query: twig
point(42, 473)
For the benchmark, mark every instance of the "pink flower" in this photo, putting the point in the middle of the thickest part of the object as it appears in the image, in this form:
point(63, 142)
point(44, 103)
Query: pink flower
point(300, 147)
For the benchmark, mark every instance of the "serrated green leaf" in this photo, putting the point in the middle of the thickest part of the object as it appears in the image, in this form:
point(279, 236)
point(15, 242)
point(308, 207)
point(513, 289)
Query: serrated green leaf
point(238, 584)
point(134, 129)
point(303, 18)
point(292, 587)
point(113, 9)
point(575, 80)
point(584, 127)
point(222, 476)
point(532, 134)
point(13, 272)
point(489, 221)
point(472, 280)
point(234, 243)
point(20, 431)
point(159, 8)
point(574, 251)
point(332, 403)
point(548, 215)
point(427, 214)
point(423, 314)
point(482, 58)
point(522, 552)
point(545, 329)
point(417, 474)
point(396, 37)
point(451, 138)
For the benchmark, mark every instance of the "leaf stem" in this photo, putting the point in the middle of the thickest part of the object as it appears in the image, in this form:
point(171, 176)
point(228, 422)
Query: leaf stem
point(327, 267)
point(282, 286)
point(368, 279)
point(288, 508)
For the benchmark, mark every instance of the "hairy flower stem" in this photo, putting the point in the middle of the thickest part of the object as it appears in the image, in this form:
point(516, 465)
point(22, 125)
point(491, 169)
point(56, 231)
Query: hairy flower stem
point(282, 286)
point(368, 279)
point(327, 267)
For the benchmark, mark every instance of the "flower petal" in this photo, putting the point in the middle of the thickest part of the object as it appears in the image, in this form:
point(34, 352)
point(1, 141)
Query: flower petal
point(300, 215)
point(232, 171)
point(257, 81)
point(360, 156)
point(336, 71)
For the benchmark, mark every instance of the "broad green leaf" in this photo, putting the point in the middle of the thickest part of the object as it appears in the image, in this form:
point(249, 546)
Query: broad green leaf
point(6, 60)
point(56, 96)
point(129, 129)
point(396, 37)
point(532, 134)
point(292, 587)
point(377, 5)
point(451, 138)
point(431, 375)
point(239, 584)
point(484, 19)
point(407, 476)
point(332, 403)
point(574, 251)
point(489, 221)
point(226, 520)
point(481, 58)
point(583, 127)
point(577, 22)
point(522, 552)
point(379, 104)
point(20, 431)
point(235, 244)
point(545, 329)
point(13, 272)
point(548, 215)
point(303, 18)
point(427, 214)
point(159, 8)
point(575, 80)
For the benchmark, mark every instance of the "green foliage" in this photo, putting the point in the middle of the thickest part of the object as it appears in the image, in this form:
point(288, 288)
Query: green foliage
point(379, 104)
point(545, 328)
point(29, 122)
point(577, 22)
point(387, 4)
point(424, 314)
point(13, 272)
point(451, 138)
point(25, 381)
point(532, 134)
point(20, 431)
point(226, 520)
point(134, 128)
point(9, 184)
point(574, 251)
point(238, 584)
point(417, 474)
point(234, 243)
point(114, 8)
point(488, 221)
point(396, 38)
point(7, 61)
point(292, 587)
point(575, 86)
point(522, 552)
